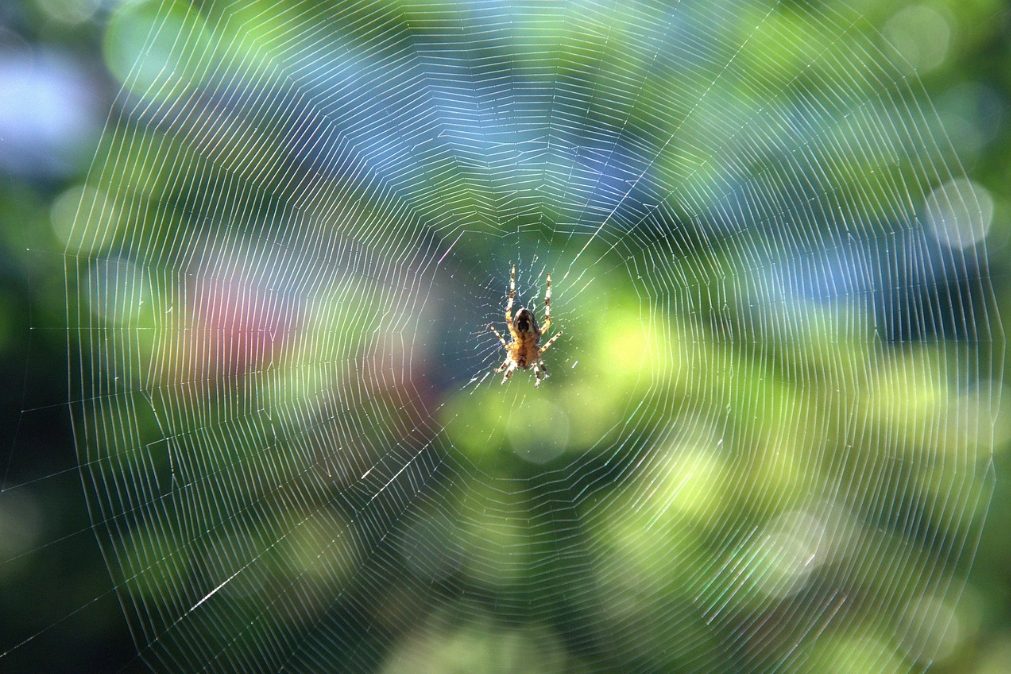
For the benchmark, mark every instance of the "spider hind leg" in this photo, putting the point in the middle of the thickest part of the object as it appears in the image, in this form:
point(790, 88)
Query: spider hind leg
point(512, 295)
point(547, 307)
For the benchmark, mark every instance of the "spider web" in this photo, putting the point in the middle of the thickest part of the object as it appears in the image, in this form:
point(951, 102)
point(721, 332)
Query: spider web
point(766, 441)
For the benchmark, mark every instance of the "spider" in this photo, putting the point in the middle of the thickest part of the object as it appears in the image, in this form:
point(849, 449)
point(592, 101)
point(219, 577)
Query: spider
point(524, 350)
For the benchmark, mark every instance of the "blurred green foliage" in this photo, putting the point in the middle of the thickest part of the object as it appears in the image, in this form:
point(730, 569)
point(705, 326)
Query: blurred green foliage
point(278, 469)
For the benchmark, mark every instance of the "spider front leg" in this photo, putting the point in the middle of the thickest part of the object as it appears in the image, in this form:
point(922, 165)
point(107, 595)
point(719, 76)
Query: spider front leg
point(508, 366)
point(540, 373)
point(512, 296)
point(551, 341)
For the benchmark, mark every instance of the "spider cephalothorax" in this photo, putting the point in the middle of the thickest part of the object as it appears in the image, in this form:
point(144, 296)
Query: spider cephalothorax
point(524, 350)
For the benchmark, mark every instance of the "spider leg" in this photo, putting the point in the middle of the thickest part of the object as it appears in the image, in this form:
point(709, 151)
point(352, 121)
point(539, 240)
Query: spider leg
point(512, 296)
point(540, 373)
point(547, 306)
point(509, 367)
point(550, 342)
point(492, 328)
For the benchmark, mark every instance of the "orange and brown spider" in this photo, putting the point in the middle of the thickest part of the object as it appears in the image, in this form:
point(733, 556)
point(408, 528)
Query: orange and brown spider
point(524, 350)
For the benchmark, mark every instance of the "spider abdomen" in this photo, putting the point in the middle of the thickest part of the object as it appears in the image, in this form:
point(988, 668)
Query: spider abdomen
point(525, 334)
